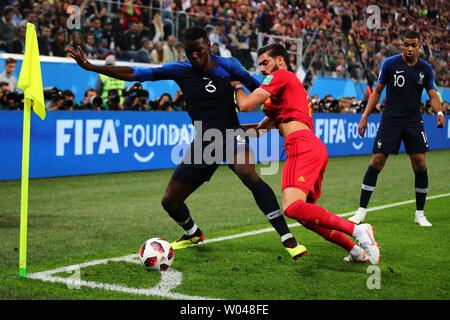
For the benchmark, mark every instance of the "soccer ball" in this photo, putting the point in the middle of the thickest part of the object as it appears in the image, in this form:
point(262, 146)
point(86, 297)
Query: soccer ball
point(156, 254)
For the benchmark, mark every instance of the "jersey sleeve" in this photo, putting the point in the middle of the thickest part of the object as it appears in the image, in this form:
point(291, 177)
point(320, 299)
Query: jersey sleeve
point(238, 72)
point(429, 78)
point(385, 72)
point(168, 71)
point(274, 82)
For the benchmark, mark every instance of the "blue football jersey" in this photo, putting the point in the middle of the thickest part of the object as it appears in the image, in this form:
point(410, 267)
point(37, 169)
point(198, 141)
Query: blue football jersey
point(404, 86)
point(209, 96)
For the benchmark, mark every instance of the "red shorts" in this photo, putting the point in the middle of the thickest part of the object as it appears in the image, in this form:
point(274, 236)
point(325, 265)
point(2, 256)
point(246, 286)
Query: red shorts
point(306, 161)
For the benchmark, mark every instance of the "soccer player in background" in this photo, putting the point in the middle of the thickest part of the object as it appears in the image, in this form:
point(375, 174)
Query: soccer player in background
point(205, 81)
point(287, 107)
point(405, 76)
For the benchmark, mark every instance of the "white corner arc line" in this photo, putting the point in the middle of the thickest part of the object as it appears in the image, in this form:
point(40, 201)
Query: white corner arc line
point(170, 278)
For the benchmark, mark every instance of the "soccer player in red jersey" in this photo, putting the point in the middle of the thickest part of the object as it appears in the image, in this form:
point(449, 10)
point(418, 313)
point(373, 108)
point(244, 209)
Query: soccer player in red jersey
point(287, 108)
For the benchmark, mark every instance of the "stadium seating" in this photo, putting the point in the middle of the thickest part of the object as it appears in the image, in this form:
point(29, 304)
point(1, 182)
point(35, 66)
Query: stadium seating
point(339, 39)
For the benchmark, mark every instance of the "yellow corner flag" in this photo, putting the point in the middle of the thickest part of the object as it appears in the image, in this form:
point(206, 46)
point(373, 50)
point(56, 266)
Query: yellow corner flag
point(30, 81)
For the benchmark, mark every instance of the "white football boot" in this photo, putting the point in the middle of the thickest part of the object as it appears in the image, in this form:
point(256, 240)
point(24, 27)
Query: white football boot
point(359, 216)
point(364, 234)
point(421, 220)
point(357, 255)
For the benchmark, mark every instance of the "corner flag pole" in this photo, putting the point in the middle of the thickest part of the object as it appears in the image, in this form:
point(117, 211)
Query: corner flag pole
point(24, 188)
point(30, 81)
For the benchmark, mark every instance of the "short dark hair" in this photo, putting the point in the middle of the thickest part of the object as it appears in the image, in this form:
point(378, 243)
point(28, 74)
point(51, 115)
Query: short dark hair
point(275, 50)
point(411, 35)
point(195, 33)
point(88, 90)
point(68, 93)
point(10, 60)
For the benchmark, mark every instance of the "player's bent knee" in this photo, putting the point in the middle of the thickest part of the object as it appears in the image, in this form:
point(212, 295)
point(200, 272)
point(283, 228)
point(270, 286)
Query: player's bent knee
point(378, 162)
point(247, 174)
point(168, 203)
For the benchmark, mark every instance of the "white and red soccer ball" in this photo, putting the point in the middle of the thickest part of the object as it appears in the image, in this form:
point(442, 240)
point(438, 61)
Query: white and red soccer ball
point(156, 254)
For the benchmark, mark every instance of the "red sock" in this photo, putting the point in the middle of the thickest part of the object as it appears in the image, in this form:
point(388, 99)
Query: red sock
point(302, 211)
point(334, 236)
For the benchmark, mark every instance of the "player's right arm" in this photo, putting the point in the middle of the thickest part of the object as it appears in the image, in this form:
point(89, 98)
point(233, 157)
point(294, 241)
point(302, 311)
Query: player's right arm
point(371, 104)
point(119, 72)
point(385, 73)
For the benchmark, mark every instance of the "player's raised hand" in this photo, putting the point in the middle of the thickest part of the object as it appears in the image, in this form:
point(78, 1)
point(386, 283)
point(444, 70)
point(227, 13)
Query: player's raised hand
point(440, 121)
point(362, 126)
point(79, 57)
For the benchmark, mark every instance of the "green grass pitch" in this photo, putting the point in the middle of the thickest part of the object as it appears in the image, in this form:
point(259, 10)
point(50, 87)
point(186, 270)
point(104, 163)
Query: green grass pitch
point(75, 220)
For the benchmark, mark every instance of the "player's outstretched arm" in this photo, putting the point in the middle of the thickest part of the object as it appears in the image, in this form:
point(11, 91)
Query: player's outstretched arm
point(437, 107)
point(121, 73)
point(369, 108)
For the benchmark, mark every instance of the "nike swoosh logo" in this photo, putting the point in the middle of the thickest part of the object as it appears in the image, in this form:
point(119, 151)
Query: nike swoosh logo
point(205, 78)
point(396, 71)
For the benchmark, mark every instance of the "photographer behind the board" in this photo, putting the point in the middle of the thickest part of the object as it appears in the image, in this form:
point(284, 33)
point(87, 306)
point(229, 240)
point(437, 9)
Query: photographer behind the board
point(163, 103)
point(325, 105)
point(90, 101)
point(10, 100)
point(58, 100)
point(135, 98)
point(113, 101)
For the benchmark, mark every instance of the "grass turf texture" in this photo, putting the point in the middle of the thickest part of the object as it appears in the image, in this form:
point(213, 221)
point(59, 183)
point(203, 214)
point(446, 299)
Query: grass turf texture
point(78, 219)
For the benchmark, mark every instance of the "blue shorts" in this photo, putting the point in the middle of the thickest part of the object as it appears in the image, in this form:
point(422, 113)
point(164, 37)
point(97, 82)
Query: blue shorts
point(389, 137)
point(204, 156)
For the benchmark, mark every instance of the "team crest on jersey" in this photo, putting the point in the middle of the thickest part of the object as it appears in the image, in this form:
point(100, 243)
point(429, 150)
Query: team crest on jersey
point(421, 77)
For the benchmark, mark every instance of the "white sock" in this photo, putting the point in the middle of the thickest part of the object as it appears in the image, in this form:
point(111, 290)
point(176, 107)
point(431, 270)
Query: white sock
point(286, 236)
point(191, 231)
point(355, 251)
point(419, 213)
point(362, 210)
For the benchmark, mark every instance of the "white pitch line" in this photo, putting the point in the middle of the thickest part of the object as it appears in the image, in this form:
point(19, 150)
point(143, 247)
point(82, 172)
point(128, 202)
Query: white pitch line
point(170, 278)
point(296, 224)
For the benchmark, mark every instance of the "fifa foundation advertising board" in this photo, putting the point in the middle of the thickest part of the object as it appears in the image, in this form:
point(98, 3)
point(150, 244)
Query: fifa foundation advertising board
point(89, 142)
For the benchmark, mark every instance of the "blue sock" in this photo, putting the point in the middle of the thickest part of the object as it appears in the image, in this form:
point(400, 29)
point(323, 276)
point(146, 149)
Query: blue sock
point(421, 186)
point(368, 185)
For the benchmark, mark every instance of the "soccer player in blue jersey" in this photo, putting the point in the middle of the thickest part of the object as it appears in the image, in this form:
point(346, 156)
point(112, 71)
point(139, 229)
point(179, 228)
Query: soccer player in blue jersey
point(205, 81)
point(405, 76)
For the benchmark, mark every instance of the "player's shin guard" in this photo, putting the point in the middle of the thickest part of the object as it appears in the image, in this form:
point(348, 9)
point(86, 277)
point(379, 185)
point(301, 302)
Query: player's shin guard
point(334, 236)
point(312, 213)
point(267, 201)
point(421, 185)
point(368, 185)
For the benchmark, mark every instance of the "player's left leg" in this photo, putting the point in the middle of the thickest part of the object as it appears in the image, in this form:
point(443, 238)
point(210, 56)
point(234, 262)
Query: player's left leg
point(266, 200)
point(421, 187)
point(416, 145)
point(173, 203)
point(296, 207)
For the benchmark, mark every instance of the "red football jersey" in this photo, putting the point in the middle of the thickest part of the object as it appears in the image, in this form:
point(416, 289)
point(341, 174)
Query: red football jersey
point(289, 100)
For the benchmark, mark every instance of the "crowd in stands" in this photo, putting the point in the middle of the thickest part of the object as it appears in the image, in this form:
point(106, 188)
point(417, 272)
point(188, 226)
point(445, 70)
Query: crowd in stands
point(150, 31)
point(135, 98)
